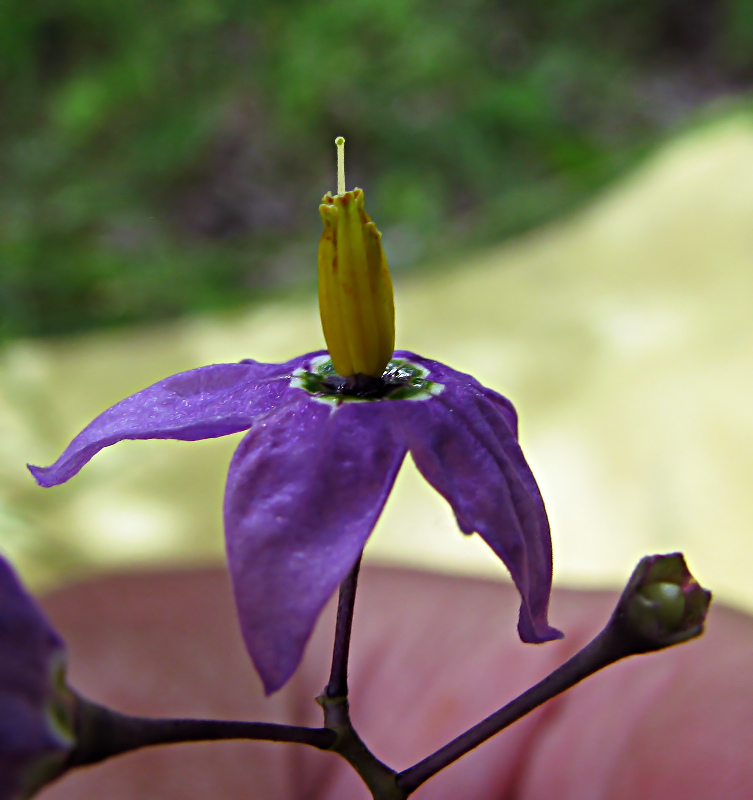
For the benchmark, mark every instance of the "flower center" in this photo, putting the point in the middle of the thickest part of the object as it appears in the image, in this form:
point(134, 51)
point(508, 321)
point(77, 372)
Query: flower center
point(401, 380)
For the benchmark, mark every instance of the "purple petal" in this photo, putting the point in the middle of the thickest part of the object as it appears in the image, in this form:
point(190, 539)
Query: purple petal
point(31, 749)
point(443, 374)
point(199, 404)
point(464, 442)
point(304, 491)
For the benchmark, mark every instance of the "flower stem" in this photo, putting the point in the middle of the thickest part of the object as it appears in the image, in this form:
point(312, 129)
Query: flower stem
point(102, 733)
point(378, 777)
point(338, 678)
point(642, 621)
point(605, 649)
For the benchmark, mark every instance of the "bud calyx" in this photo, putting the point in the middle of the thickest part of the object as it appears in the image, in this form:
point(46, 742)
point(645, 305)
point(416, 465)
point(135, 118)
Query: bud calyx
point(663, 603)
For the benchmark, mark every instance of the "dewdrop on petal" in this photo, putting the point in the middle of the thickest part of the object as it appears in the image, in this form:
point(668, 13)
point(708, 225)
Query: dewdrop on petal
point(355, 289)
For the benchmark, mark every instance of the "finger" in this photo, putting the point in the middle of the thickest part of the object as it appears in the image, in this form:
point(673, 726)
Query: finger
point(431, 656)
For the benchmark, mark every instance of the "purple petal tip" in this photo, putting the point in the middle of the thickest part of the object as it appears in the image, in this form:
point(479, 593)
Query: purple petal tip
point(542, 634)
point(41, 475)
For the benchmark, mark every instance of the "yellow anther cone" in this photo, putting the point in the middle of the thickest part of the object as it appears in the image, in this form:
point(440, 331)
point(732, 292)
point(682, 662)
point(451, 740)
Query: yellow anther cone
point(355, 289)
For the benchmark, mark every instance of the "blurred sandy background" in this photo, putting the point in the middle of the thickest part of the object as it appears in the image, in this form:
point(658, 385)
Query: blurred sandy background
point(623, 333)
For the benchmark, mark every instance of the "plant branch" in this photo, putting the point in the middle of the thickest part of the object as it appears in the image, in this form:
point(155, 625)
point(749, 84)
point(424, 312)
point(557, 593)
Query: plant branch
point(102, 733)
point(661, 605)
point(597, 654)
point(378, 777)
point(338, 678)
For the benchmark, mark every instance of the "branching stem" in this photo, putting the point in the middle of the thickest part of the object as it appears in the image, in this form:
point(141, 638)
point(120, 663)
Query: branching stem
point(638, 625)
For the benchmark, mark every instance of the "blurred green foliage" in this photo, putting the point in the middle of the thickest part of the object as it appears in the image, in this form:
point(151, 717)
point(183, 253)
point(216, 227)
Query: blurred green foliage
point(163, 157)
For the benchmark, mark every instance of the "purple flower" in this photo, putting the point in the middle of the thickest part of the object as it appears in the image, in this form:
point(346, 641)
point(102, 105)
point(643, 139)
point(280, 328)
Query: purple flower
point(310, 478)
point(327, 433)
point(36, 716)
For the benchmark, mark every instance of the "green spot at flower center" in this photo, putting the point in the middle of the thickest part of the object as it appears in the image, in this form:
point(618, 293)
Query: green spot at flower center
point(401, 380)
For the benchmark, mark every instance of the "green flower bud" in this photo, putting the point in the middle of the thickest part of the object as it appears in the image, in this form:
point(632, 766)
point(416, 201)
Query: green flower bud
point(662, 603)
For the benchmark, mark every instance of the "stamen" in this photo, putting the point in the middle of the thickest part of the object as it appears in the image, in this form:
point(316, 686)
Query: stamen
point(340, 144)
point(355, 289)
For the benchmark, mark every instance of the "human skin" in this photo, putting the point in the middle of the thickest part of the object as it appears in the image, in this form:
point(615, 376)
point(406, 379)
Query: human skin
point(431, 655)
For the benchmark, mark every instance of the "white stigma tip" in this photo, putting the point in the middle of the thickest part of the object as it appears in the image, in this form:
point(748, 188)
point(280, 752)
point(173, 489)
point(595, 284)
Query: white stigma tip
point(340, 144)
